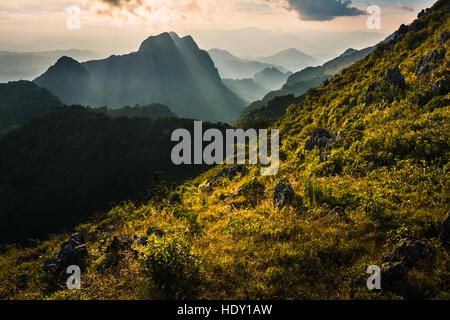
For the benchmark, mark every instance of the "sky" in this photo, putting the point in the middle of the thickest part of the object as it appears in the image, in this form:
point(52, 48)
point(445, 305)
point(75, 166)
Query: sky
point(119, 26)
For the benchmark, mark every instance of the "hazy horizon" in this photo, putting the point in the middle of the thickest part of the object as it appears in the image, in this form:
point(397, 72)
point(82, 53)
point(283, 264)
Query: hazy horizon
point(118, 27)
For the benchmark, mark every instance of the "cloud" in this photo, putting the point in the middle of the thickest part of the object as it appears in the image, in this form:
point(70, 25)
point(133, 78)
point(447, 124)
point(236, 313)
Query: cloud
point(323, 10)
point(404, 6)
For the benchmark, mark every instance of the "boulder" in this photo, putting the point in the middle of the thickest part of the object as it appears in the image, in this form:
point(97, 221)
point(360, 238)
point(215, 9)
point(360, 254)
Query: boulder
point(400, 32)
point(424, 62)
point(282, 195)
point(443, 37)
point(320, 138)
point(116, 245)
point(22, 281)
point(395, 77)
point(444, 236)
point(175, 199)
point(392, 273)
point(157, 232)
point(71, 255)
point(232, 172)
point(436, 89)
point(29, 243)
point(408, 252)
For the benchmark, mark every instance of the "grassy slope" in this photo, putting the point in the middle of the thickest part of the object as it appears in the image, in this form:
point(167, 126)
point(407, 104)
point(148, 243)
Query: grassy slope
point(389, 172)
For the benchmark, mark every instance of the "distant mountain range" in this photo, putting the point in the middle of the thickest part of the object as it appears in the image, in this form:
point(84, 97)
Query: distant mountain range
point(290, 59)
point(28, 65)
point(232, 67)
point(166, 69)
point(298, 83)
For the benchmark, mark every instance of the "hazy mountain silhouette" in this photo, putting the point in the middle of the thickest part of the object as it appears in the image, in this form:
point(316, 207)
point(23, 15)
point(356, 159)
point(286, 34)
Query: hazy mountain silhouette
point(166, 69)
point(291, 59)
point(247, 89)
point(271, 78)
point(232, 67)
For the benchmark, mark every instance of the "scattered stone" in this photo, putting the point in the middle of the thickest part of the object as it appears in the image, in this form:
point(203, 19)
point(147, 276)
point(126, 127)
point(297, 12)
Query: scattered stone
point(116, 244)
point(319, 138)
point(424, 62)
point(232, 172)
point(22, 281)
point(29, 243)
point(443, 37)
point(445, 233)
point(282, 195)
point(157, 232)
point(148, 196)
point(416, 26)
point(392, 273)
point(409, 251)
point(337, 211)
point(50, 265)
point(175, 199)
point(142, 241)
point(436, 89)
point(395, 77)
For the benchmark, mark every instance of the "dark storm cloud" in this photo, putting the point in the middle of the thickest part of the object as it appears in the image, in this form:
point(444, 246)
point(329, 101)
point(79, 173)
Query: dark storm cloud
point(323, 10)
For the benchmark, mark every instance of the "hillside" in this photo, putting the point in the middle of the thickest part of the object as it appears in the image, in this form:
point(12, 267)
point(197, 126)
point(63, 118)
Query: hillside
point(58, 169)
point(364, 180)
point(271, 78)
point(248, 89)
point(23, 100)
point(166, 69)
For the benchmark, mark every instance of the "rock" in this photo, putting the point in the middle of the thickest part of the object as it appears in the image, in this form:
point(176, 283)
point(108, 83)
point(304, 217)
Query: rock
point(282, 195)
point(148, 196)
point(116, 244)
point(416, 26)
point(443, 37)
point(395, 77)
point(71, 255)
point(408, 252)
point(175, 199)
point(319, 138)
point(78, 237)
point(29, 243)
point(370, 89)
point(22, 281)
point(421, 14)
point(157, 232)
point(324, 156)
point(142, 241)
point(401, 31)
point(50, 265)
point(436, 89)
point(425, 61)
point(444, 236)
point(339, 211)
point(392, 273)
point(232, 172)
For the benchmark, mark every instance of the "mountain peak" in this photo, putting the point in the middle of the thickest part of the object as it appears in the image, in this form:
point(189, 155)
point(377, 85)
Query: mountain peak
point(162, 40)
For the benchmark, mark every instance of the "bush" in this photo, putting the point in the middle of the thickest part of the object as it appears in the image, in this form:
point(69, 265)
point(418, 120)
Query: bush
point(172, 267)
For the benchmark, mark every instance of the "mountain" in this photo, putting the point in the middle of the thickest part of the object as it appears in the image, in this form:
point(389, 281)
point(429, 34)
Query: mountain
point(23, 100)
point(290, 59)
point(166, 69)
point(271, 78)
point(28, 65)
point(298, 83)
point(363, 181)
point(232, 67)
point(348, 52)
point(67, 79)
point(60, 168)
point(248, 89)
